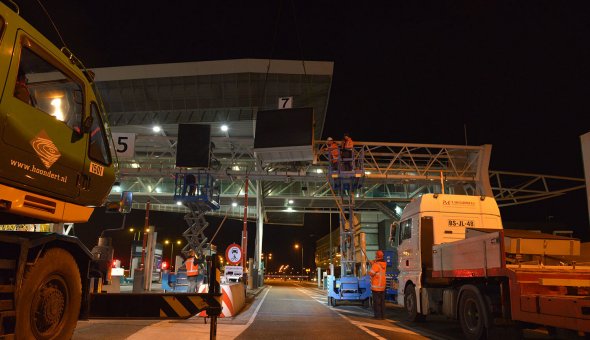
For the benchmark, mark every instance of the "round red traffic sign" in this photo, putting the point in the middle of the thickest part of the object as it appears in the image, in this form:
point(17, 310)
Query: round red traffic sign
point(233, 254)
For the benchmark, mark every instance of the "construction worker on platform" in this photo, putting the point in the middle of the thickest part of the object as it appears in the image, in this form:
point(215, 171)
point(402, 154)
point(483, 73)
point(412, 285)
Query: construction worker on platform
point(194, 272)
point(334, 153)
point(378, 283)
point(347, 155)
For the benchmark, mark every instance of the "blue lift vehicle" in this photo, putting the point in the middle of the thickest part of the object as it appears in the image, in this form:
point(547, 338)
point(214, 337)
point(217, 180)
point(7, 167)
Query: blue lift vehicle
point(346, 177)
point(199, 191)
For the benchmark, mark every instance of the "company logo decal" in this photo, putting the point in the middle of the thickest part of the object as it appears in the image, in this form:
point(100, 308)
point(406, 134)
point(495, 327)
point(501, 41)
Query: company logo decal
point(458, 203)
point(45, 149)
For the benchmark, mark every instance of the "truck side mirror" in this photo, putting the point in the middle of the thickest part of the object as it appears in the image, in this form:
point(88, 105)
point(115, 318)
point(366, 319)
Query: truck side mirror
point(392, 234)
point(122, 206)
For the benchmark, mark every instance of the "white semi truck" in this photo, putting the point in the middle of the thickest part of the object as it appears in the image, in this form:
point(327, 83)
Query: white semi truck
point(456, 259)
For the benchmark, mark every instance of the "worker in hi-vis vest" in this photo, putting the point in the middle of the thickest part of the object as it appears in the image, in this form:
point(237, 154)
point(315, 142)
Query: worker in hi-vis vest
point(194, 272)
point(334, 153)
point(347, 154)
point(378, 282)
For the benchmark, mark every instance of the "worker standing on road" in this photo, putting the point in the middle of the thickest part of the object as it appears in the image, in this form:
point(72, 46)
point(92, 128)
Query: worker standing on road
point(192, 272)
point(378, 282)
point(347, 155)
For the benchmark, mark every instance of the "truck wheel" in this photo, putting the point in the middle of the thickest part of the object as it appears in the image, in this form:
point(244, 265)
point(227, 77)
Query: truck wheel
point(472, 316)
point(50, 298)
point(411, 304)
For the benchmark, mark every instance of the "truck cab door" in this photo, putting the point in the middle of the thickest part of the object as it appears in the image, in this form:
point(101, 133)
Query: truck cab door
point(98, 173)
point(42, 107)
point(408, 249)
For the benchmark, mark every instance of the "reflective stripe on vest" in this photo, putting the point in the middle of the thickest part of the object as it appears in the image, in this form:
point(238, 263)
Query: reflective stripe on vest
point(191, 268)
point(334, 152)
point(378, 279)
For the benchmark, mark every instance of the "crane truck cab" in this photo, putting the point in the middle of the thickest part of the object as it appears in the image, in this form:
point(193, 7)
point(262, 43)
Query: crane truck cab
point(55, 166)
point(430, 220)
point(55, 159)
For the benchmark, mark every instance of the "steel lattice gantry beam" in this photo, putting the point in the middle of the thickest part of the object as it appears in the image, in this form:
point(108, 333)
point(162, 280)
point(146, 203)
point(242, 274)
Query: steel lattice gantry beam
point(395, 173)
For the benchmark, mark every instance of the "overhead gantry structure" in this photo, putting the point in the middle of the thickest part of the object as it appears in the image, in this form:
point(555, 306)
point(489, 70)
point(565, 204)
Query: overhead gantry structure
point(395, 173)
point(230, 93)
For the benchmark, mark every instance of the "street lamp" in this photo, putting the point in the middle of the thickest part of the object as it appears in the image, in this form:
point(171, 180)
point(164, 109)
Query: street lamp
point(297, 246)
point(171, 250)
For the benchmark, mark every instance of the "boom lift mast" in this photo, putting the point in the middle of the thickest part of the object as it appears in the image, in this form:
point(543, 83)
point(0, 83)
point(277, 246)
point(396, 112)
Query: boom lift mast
point(345, 178)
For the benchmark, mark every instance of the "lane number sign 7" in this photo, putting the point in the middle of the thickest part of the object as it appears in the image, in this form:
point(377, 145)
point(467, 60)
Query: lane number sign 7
point(285, 102)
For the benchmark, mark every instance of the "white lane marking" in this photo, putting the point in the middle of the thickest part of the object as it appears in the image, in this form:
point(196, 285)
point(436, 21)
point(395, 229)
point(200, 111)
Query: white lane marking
point(257, 309)
point(354, 312)
point(383, 327)
point(360, 325)
point(371, 333)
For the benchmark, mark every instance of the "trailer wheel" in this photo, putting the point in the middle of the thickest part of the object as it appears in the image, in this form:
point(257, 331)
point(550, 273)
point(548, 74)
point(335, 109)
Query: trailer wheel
point(472, 315)
point(411, 304)
point(51, 293)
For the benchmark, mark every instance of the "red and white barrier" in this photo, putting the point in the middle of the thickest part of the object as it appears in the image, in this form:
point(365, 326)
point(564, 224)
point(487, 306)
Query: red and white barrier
point(233, 299)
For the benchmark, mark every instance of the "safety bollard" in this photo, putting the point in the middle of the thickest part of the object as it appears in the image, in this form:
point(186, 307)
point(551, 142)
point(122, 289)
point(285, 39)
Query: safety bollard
point(214, 289)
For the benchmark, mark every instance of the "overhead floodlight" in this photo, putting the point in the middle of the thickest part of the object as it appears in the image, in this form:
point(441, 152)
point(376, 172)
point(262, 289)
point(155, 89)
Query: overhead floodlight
point(234, 204)
point(319, 171)
point(367, 172)
point(157, 128)
point(178, 203)
point(224, 128)
point(290, 201)
point(117, 187)
point(235, 168)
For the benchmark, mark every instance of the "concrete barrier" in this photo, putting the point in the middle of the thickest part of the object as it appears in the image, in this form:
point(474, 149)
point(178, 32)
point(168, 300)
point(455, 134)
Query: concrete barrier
point(233, 299)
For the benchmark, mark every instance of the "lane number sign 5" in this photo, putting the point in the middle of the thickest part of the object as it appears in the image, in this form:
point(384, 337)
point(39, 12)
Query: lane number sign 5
point(124, 144)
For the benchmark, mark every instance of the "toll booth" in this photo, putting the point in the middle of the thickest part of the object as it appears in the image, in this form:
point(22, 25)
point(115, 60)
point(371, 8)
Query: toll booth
point(136, 250)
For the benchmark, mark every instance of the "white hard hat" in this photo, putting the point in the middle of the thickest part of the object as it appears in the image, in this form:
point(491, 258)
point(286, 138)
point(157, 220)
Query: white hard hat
point(330, 138)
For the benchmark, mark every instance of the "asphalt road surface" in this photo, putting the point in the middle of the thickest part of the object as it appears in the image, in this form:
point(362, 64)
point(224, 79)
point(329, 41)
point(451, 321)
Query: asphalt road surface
point(285, 310)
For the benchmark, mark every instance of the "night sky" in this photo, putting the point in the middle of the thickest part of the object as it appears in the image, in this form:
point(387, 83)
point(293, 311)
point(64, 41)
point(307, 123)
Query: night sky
point(514, 74)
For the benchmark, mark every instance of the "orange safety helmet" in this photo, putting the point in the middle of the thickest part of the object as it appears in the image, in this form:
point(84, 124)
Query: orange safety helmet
point(378, 254)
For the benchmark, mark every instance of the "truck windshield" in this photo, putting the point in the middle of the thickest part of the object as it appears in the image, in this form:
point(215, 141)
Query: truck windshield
point(107, 131)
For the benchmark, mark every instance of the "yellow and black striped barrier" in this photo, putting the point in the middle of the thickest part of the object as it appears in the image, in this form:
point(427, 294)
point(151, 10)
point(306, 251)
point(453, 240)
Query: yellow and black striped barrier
point(152, 305)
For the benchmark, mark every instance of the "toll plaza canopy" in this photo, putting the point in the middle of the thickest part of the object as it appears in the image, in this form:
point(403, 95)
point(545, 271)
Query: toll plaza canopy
point(222, 92)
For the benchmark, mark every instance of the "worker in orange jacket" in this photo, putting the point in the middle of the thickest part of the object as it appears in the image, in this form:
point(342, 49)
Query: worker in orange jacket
point(378, 282)
point(334, 153)
point(194, 272)
point(347, 154)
